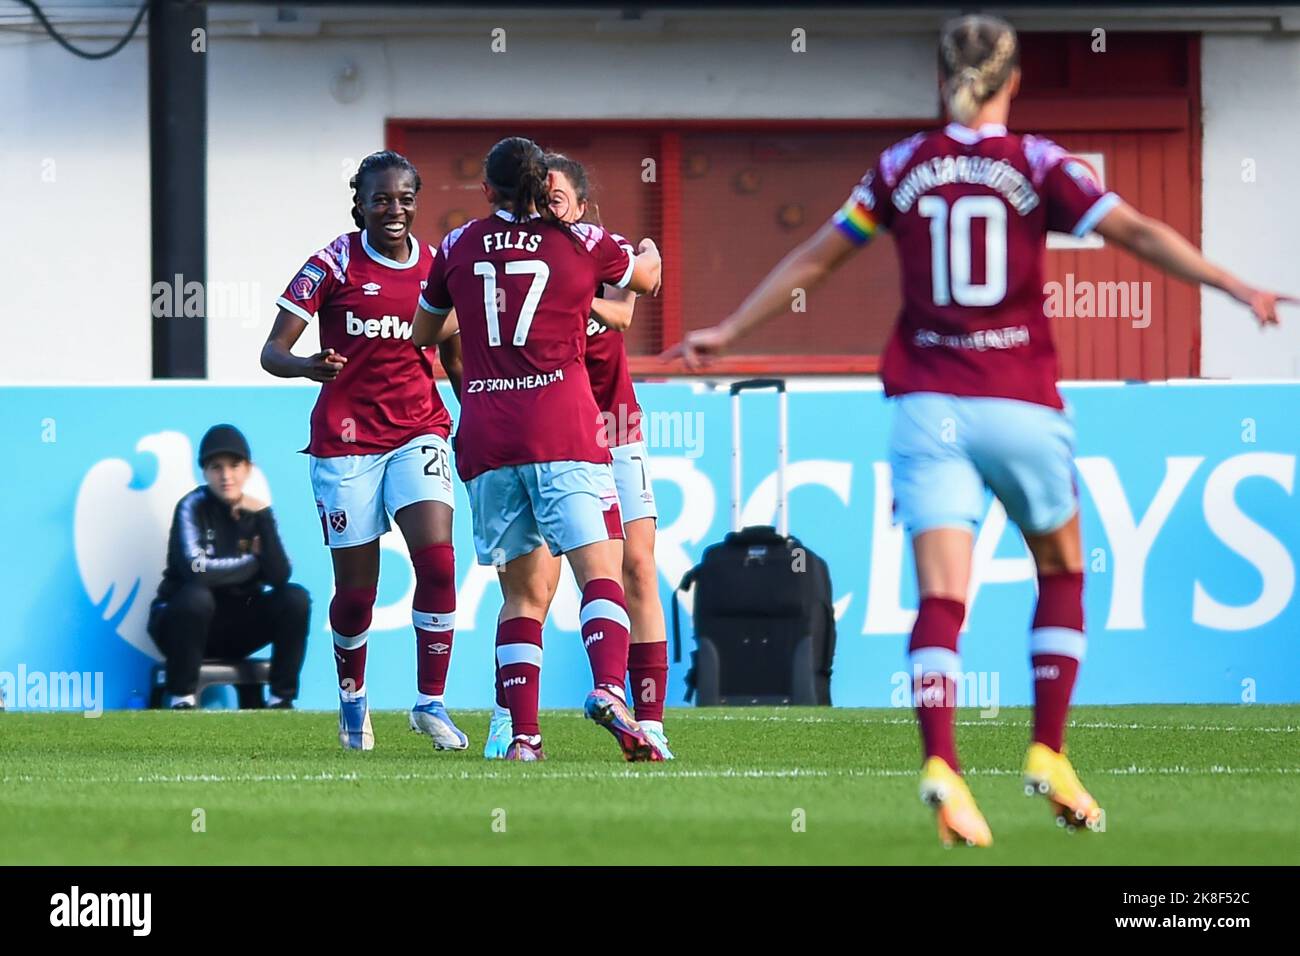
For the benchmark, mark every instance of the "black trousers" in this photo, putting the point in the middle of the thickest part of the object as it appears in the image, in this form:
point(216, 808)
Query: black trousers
point(197, 622)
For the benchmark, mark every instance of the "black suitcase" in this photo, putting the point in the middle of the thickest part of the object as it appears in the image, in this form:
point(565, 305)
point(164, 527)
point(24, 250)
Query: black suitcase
point(764, 618)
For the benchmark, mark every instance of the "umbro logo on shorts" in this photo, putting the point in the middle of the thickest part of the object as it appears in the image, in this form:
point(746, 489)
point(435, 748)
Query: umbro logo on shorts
point(338, 521)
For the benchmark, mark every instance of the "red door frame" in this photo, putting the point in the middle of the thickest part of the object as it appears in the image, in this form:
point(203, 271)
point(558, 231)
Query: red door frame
point(1058, 112)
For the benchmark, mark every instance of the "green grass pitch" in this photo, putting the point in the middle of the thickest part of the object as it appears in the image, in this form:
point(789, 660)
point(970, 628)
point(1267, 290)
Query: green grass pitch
point(1180, 784)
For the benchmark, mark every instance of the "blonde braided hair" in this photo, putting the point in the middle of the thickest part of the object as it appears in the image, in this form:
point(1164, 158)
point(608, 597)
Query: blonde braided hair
point(977, 55)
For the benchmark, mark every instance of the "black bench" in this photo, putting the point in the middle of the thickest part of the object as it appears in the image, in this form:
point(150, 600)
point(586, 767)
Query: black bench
point(249, 676)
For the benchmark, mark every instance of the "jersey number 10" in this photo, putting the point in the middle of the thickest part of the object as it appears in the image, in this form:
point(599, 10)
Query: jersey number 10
point(536, 268)
point(950, 249)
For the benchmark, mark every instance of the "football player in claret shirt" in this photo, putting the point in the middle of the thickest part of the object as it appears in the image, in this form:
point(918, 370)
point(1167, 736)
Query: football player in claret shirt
point(611, 386)
point(378, 437)
point(531, 446)
point(969, 206)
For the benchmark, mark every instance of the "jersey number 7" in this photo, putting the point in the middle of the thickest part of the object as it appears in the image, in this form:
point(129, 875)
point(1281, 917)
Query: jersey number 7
point(492, 308)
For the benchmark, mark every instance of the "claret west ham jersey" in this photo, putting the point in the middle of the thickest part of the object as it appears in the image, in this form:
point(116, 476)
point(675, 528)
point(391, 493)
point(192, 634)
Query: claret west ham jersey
point(522, 293)
point(384, 395)
point(611, 377)
point(969, 210)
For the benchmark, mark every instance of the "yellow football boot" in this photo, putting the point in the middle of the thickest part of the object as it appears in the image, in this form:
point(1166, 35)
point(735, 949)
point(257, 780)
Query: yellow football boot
point(944, 791)
point(1049, 774)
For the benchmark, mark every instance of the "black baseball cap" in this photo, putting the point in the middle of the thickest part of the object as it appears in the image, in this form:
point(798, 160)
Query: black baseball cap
point(223, 440)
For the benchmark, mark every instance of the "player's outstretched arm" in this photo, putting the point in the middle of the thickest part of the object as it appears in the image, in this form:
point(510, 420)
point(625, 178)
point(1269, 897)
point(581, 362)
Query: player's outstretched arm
point(807, 267)
point(279, 360)
point(614, 311)
point(1157, 243)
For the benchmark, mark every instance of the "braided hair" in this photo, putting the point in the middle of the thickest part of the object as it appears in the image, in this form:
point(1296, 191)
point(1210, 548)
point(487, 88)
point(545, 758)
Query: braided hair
point(976, 54)
point(516, 170)
point(375, 163)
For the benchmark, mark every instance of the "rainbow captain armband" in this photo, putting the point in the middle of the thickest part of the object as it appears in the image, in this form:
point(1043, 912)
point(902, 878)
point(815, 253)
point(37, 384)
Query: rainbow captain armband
point(856, 221)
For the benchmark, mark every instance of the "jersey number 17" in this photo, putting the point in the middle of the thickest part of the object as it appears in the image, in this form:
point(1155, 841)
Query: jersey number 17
point(494, 301)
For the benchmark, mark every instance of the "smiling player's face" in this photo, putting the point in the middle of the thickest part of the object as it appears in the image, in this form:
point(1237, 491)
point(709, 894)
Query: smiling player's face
point(388, 206)
point(564, 199)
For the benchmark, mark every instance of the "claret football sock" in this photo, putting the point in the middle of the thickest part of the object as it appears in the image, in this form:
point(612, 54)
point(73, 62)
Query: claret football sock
point(519, 666)
point(350, 613)
point(433, 613)
point(605, 627)
point(647, 669)
point(1056, 646)
point(936, 669)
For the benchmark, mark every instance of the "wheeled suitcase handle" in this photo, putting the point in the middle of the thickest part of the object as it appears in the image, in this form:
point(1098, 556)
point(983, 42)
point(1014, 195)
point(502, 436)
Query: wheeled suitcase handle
point(677, 630)
point(782, 519)
point(687, 580)
point(751, 384)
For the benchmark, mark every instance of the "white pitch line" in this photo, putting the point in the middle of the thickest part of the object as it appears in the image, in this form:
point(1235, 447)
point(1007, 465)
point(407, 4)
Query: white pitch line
point(1205, 728)
point(688, 715)
point(357, 777)
point(991, 722)
point(625, 774)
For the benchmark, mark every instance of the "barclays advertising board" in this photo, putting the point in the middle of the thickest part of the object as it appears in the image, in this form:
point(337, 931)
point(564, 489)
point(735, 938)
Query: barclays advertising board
point(1191, 531)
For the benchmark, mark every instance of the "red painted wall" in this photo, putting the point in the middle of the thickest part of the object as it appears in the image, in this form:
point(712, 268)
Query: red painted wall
point(1138, 103)
point(725, 200)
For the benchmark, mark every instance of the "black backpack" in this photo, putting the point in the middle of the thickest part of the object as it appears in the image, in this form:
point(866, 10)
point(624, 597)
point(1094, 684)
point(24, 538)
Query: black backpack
point(764, 618)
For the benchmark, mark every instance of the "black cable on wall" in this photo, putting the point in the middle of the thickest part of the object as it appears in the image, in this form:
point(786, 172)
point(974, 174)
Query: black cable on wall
point(76, 51)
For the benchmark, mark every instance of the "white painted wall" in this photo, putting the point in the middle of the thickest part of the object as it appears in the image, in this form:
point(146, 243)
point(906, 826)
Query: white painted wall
point(74, 188)
point(281, 146)
point(1250, 90)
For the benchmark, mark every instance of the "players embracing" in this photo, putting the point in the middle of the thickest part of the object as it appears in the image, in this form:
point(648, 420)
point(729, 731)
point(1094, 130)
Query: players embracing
point(607, 367)
point(378, 437)
point(531, 446)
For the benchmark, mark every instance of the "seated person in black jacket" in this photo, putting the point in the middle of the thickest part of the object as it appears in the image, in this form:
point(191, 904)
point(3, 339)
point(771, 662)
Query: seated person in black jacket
point(226, 591)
